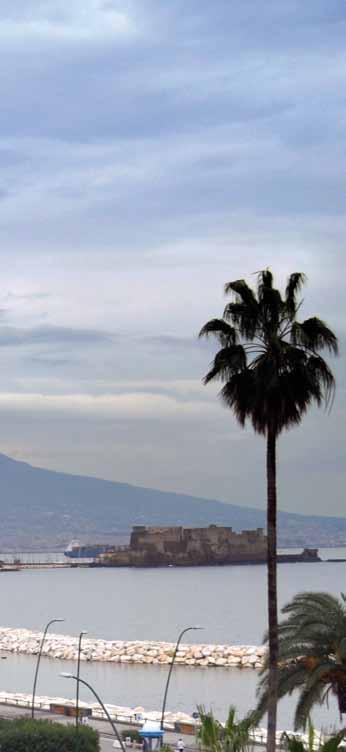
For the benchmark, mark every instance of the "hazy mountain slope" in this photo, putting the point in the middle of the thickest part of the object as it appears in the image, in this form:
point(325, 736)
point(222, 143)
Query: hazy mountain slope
point(42, 508)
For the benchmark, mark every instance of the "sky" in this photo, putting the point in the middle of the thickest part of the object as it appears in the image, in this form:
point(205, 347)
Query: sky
point(150, 151)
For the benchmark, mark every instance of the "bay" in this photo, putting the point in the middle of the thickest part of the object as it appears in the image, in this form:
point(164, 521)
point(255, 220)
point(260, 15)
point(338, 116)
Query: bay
point(144, 604)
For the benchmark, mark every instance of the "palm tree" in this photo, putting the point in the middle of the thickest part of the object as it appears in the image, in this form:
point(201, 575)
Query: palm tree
point(233, 736)
point(312, 654)
point(291, 744)
point(272, 371)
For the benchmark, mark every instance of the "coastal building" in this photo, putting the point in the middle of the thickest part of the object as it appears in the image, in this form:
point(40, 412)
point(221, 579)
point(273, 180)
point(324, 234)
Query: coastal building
point(179, 546)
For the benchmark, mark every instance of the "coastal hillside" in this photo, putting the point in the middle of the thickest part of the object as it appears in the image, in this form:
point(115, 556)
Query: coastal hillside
point(42, 509)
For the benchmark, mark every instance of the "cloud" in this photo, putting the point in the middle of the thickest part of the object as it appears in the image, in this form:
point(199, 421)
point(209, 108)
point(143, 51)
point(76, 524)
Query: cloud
point(134, 405)
point(149, 152)
point(197, 448)
point(27, 297)
point(51, 335)
point(55, 22)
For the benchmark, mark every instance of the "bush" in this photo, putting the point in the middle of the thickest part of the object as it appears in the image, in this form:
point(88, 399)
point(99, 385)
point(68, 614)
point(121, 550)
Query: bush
point(132, 733)
point(27, 735)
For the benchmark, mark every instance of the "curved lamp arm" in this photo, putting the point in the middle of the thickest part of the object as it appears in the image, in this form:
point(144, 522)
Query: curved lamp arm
point(82, 681)
point(52, 621)
point(187, 629)
point(82, 633)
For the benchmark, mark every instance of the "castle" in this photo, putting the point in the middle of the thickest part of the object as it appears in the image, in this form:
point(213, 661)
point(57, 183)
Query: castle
point(197, 546)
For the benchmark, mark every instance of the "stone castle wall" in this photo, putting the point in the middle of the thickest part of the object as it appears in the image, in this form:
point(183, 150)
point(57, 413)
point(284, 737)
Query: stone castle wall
point(155, 546)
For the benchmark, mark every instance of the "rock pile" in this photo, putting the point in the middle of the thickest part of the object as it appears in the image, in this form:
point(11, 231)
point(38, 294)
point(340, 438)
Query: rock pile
point(119, 651)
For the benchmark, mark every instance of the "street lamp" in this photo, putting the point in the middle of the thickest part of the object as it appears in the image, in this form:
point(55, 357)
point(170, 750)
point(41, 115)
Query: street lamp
point(83, 632)
point(52, 621)
point(82, 681)
point(187, 629)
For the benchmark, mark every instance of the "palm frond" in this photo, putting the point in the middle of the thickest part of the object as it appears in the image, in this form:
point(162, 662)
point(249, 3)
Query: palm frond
point(209, 732)
point(212, 736)
point(271, 306)
point(342, 648)
point(239, 393)
point(244, 310)
point(242, 291)
point(225, 333)
point(294, 285)
point(321, 379)
point(245, 317)
point(227, 362)
point(290, 677)
point(314, 335)
point(308, 698)
point(322, 601)
point(311, 659)
point(243, 294)
point(292, 744)
point(294, 648)
point(270, 303)
point(332, 745)
point(264, 280)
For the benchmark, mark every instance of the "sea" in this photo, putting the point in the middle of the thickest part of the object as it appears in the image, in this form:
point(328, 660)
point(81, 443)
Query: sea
point(156, 604)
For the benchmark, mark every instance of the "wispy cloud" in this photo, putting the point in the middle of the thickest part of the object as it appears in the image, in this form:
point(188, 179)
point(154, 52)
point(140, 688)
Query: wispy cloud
point(149, 152)
point(52, 335)
point(54, 22)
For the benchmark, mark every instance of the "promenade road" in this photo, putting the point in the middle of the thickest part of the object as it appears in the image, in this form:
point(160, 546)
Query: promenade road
point(103, 727)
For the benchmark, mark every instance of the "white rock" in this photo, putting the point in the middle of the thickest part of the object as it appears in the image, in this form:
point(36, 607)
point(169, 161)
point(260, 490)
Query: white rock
point(252, 659)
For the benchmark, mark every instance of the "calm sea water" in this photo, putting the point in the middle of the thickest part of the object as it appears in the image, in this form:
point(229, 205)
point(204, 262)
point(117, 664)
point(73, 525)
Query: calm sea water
point(230, 602)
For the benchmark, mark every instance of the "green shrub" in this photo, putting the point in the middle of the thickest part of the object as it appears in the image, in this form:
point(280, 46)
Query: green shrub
point(132, 733)
point(27, 735)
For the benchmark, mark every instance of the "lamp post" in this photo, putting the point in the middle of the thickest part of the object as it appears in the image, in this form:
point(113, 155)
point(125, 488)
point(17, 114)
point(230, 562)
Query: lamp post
point(83, 632)
point(187, 629)
point(82, 681)
point(52, 621)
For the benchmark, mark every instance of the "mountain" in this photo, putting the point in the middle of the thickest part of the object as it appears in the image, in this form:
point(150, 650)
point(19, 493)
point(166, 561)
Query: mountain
point(42, 509)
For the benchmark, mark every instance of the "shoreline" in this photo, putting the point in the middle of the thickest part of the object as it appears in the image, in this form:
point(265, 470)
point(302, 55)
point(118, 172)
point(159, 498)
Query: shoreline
point(145, 652)
point(179, 723)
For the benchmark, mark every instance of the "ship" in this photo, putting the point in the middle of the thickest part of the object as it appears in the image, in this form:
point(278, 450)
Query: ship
point(77, 550)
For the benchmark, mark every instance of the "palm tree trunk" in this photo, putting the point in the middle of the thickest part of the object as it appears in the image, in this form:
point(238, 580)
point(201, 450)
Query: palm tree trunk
point(272, 587)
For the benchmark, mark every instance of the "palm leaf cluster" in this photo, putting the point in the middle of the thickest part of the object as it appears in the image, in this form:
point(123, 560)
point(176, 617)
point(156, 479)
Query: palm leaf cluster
point(233, 736)
point(269, 362)
point(315, 742)
point(312, 653)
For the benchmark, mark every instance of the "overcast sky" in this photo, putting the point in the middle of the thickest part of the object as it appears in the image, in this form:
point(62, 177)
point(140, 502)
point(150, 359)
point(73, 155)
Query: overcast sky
point(152, 150)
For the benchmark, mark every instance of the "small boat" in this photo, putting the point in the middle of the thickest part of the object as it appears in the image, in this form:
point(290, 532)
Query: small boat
point(77, 550)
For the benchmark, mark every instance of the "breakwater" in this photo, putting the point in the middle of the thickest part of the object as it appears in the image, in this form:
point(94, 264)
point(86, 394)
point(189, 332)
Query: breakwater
point(65, 647)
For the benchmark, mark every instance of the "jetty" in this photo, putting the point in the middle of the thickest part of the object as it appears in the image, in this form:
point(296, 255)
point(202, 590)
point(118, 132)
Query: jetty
point(146, 652)
point(41, 565)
